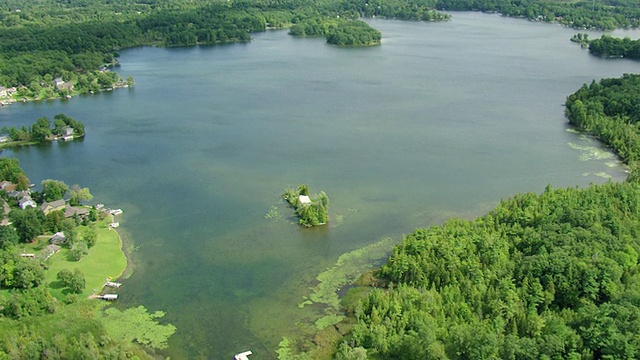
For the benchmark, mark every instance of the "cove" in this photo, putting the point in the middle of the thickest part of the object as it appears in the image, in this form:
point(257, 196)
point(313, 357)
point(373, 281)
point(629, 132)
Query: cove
point(441, 120)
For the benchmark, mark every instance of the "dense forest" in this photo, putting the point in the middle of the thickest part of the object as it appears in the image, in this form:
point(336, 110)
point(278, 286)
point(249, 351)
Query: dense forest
point(554, 275)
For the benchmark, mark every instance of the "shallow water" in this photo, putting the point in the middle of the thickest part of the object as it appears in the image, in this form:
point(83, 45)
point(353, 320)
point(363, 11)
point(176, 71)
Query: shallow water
point(441, 120)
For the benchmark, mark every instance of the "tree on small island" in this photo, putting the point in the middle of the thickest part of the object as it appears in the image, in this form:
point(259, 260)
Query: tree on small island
point(312, 211)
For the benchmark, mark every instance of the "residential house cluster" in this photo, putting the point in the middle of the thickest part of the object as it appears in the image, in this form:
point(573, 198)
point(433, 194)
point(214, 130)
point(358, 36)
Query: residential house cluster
point(24, 201)
point(23, 197)
point(69, 211)
point(6, 92)
point(6, 95)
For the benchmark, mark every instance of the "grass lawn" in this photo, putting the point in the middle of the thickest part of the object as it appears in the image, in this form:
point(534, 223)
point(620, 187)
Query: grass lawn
point(105, 259)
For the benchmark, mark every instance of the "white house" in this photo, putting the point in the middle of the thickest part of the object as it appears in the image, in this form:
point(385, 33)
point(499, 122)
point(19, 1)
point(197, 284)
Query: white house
point(26, 201)
point(304, 200)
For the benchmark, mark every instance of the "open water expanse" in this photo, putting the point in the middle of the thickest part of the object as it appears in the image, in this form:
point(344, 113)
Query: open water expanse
point(441, 120)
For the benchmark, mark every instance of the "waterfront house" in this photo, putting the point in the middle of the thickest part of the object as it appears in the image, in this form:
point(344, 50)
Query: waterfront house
point(72, 211)
point(48, 207)
point(7, 92)
point(7, 186)
point(19, 194)
point(304, 200)
point(67, 133)
point(58, 238)
point(62, 85)
point(27, 201)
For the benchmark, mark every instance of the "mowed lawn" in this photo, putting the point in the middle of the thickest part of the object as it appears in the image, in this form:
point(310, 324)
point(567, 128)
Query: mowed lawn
point(105, 259)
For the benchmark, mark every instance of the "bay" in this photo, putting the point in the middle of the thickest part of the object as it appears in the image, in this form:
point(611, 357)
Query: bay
point(441, 120)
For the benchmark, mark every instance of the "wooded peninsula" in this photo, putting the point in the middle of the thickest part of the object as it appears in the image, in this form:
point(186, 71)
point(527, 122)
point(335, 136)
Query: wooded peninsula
point(551, 275)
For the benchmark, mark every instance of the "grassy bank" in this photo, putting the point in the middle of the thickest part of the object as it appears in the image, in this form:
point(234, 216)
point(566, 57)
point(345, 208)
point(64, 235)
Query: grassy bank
point(105, 259)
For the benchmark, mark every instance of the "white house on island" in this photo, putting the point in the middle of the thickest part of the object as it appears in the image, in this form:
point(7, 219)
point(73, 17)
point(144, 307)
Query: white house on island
point(304, 200)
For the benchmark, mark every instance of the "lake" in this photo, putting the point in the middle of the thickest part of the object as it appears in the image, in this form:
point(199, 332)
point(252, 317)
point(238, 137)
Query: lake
point(441, 120)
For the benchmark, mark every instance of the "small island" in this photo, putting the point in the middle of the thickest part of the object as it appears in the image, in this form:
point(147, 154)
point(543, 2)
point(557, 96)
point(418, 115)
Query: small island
point(340, 32)
point(64, 128)
point(312, 211)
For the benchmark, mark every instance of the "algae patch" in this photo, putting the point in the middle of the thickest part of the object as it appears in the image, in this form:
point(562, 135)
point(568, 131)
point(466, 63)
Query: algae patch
point(588, 153)
point(273, 214)
point(345, 271)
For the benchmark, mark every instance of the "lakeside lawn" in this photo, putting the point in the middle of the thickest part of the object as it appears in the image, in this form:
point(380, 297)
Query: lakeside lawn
point(105, 259)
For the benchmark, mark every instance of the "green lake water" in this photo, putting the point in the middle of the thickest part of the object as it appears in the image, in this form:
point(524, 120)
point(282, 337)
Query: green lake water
point(441, 120)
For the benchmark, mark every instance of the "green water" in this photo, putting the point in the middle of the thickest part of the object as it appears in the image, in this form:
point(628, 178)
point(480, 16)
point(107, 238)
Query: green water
point(443, 119)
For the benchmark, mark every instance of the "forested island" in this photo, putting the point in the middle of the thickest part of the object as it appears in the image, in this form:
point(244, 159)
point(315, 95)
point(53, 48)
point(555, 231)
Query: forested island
point(339, 31)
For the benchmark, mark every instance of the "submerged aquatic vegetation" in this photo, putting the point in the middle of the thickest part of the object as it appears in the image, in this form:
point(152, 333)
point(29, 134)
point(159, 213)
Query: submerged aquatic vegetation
point(592, 152)
point(345, 271)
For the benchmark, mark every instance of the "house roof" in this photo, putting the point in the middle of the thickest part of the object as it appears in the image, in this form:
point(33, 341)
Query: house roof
point(304, 199)
point(20, 194)
point(47, 207)
point(71, 210)
point(58, 203)
point(26, 201)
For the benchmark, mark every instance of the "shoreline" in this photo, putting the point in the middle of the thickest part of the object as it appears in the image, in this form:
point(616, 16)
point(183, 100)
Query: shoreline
point(127, 248)
point(12, 100)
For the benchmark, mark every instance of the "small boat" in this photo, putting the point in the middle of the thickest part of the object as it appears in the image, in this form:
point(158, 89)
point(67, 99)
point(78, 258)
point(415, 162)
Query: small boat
point(243, 355)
